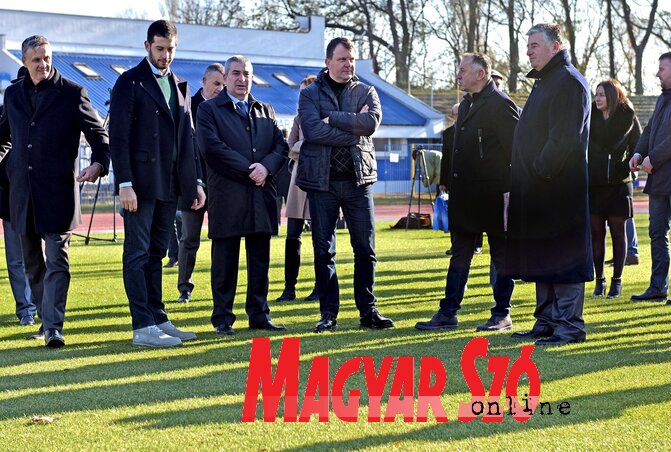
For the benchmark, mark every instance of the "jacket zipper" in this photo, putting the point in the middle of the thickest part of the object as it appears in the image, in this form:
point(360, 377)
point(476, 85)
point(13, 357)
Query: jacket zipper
point(608, 173)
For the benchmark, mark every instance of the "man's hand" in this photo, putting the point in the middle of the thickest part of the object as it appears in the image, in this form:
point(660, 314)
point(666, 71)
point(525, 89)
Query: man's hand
point(128, 198)
point(634, 162)
point(258, 174)
point(364, 109)
point(647, 166)
point(199, 202)
point(90, 173)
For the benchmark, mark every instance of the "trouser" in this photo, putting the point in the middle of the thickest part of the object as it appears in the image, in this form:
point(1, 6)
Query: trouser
point(48, 271)
point(175, 237)
point(559, 308)
point(660, 218)
point(192, 224)
point(463, 245)
point(357, 206)
point(225, 258)
point(18, 279)
point(147, 233)
point(632, 237)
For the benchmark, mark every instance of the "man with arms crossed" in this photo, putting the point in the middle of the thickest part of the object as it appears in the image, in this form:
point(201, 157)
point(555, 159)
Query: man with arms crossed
point(337, 169)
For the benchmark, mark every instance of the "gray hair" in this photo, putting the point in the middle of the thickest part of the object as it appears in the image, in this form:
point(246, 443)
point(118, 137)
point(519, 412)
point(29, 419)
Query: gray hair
point(480, 59)
point(236, 59)
point(214, 67)
point(551, 32)
point(33, 42)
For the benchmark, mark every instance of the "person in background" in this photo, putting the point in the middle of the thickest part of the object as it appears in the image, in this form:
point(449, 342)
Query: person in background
point(192, 220)
point(614, 131)
point(297, 212)
point(26, 309)
point(175, 240)
point(652, 155)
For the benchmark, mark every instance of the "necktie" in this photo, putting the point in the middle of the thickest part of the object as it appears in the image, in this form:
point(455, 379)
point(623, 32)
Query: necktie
point(242, 107)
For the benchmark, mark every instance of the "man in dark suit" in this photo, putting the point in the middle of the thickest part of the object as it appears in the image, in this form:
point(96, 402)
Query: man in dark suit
point(43, 117)
point(479, 178)
point(243, 149)
point(151, 139)
point(192, 220)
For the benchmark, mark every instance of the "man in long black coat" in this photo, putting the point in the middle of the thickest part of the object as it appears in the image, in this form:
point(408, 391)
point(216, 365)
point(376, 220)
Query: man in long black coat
point(151, 139)
point(549, 228)
point(478, 179)
point(243, 149)
point(43, 118)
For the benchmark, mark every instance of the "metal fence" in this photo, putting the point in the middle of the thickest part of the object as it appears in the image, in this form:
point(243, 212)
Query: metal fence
point(394, 166)
point(88, 190)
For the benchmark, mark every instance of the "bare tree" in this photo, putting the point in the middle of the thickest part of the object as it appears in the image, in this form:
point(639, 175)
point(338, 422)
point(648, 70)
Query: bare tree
point(228, 13)
point(391, 25)
point(634, 24)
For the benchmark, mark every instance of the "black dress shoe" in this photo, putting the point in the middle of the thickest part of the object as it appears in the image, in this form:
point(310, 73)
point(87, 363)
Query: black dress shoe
point(532, 334)
point(328, 322)
point(287, 295)
point(649, 295)
point(558, 340)
point(39, 335)
point(184, 296)
point(224, 328)
point(270, 326)
point(375, 321)
point(314, 296)
point(53, 338)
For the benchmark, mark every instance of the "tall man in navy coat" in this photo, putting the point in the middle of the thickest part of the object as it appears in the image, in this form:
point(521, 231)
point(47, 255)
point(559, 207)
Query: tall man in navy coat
point(243, 149)
point(151, 139)
point(43, 118)
point(549, 227)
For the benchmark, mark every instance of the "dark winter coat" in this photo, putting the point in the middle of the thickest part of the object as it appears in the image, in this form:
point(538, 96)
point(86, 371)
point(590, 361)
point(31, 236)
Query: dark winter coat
point(548, 225)
point(655, 142)
point(611, 145)
point(346, 127)
point(196, 100)
point(230, 143)
point(143, 134)
point(42, 163)
point(446, 159)
point(480, 168)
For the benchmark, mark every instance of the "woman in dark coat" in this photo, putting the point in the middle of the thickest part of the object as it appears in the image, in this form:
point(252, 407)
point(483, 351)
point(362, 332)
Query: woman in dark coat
point(297, 212)
point(614, 131)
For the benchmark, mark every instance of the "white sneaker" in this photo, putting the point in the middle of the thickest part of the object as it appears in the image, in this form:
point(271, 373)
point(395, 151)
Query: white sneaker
point(152, 336)
point(169, 329)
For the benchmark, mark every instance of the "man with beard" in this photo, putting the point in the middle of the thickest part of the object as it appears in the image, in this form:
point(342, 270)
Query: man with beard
point(151, 140)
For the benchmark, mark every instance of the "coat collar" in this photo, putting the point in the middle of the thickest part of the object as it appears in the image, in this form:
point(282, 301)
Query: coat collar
point(560, 59)
point(223, 98)
point(48, 97)
point(478, 102)
point(148, 81)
